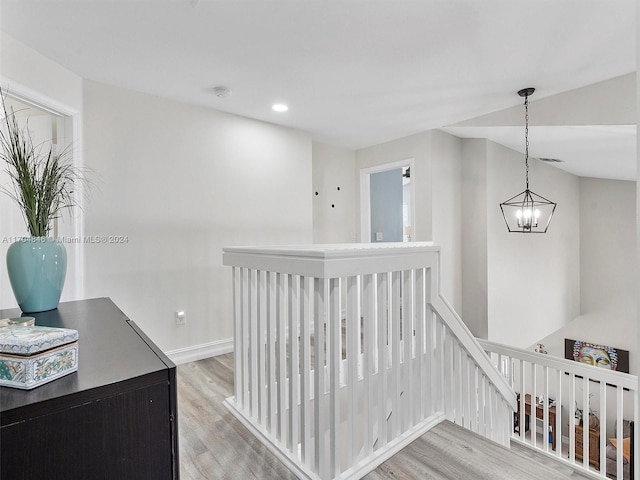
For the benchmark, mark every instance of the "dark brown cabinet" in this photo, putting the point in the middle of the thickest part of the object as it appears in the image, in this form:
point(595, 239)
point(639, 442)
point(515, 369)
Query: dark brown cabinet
point(115, 418)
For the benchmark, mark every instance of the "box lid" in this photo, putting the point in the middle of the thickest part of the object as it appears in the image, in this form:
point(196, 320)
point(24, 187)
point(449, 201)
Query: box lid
point(20, 340)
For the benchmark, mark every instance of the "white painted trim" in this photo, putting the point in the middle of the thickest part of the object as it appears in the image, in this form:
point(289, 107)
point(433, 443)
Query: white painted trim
point(35, 98)
point(365, 207)
point(199, 352)
point(365, 195)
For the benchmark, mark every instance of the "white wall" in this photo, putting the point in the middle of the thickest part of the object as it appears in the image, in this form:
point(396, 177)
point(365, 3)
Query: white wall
point(533, 279)
point(334, 211)
point(607, 243)
point(182, 182)
point(608, 281)
point(474, 237)
point(446, 155)
point(437, 176)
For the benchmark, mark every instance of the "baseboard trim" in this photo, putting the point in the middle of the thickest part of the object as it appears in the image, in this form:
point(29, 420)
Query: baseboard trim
point(199, 352)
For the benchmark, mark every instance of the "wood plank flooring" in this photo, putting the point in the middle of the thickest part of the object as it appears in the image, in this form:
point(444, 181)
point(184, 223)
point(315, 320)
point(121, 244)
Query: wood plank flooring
point(214, 445)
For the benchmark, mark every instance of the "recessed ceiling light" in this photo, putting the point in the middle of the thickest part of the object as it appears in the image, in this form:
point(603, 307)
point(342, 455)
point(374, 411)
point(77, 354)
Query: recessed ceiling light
point(280, 107)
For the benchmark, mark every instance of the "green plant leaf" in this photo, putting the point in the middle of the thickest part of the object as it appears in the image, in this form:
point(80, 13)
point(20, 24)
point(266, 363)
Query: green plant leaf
point(43, 181)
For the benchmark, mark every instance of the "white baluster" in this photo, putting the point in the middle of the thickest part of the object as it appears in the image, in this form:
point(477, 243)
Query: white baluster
point(619, 432)
point(407, 349)
point(585, 421)
point(305, 372)
point(458, 372)
point(238, 346)
point(253, 342)
point(533, 418)
point(474, 396)
point(272, 341)
point(262, 343)
point(521, 422)
point(368, 362)
point(281, 354)
point(421, 396)
point(572, 419)
point(382, 322)
point(603, 428)
point(294, 354)
point(320, 417)
point(334, 324)
point(482, 398)
point(396, 375)
point(448, 375)
point(438, 362)
point(246, 345)
point(353, 352)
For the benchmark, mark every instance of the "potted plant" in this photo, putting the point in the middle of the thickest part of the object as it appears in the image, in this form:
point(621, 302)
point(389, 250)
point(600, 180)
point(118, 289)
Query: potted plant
point(42, 184)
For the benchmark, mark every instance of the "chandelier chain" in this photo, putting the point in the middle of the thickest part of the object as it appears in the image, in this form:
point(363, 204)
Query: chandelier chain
point(526, 137)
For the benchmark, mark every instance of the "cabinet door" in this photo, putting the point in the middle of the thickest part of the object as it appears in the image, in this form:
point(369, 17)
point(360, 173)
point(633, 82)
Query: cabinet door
point(125, 436)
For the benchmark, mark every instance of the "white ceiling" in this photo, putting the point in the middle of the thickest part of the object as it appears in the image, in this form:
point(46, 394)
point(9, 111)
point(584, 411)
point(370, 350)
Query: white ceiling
point(353, 72)
point(601, 151)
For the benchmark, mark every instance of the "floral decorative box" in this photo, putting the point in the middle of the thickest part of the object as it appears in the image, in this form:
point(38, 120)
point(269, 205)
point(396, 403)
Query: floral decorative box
point(34, 355)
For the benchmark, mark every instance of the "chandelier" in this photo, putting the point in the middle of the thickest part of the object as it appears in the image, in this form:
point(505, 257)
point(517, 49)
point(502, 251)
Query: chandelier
point(527, 212)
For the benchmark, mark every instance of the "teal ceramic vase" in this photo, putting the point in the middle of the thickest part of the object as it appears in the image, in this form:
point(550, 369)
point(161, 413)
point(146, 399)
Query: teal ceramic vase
point(37, 267)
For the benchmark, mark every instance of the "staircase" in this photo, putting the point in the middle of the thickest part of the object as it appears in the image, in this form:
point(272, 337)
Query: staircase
point(346, 354)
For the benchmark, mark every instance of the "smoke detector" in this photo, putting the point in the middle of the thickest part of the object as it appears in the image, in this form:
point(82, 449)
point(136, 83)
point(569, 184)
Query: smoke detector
point(221, 92)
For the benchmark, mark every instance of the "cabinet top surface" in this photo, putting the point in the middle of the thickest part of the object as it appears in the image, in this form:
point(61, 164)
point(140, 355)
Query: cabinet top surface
point(111, 351)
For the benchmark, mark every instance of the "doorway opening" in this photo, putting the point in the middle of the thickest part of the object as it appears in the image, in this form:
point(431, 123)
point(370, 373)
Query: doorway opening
point(387, 213)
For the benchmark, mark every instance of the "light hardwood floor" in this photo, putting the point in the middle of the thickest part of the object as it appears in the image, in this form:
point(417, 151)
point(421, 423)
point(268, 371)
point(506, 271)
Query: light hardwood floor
point(214, 445)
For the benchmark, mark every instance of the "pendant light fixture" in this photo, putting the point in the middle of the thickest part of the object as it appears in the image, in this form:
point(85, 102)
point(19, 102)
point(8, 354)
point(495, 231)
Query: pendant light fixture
point(527, 212)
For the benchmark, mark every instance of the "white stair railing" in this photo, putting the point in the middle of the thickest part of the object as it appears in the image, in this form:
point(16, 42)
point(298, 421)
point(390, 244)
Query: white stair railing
point(613, 395)
point(394, 358)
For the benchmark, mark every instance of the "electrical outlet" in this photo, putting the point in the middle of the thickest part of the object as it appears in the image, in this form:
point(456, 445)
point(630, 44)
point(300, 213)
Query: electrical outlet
point(181, 318)
point(378, 236)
